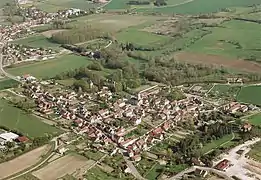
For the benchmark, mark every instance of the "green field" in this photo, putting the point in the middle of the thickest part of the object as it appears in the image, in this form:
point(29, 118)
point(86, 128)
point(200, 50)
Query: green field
point(17, 119)
point(196, 6)
point(37, 41)
point(216, 143)
point(50, 68)
point(250, 94)
point(221, 90)
point(7, 83)
point(255, 119)
point(231, 31)
point(141, 37)
point(54, 5)
point(255, 152)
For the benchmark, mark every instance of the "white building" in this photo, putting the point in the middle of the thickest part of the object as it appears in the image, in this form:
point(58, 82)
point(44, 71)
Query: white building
point(8, 137)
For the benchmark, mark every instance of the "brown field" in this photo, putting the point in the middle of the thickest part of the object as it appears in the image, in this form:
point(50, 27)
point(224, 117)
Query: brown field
point(22, 162)
point(237, 64)
point(60, 167)
point(49, 33)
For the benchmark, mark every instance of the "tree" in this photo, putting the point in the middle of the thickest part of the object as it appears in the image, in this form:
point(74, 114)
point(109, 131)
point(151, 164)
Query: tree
point(10, 144)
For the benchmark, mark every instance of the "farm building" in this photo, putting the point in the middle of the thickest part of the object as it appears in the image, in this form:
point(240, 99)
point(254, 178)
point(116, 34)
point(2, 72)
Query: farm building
point(223, 165)
point(7, 137)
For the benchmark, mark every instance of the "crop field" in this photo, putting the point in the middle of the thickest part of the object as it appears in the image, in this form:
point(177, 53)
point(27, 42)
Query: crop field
point(113, 22)
point(22, 162)
point(50, 68)
point(255, 152)
point(37, 41)
point(196, 6)
point(231, 41)
point(141, 37)
point(62, 166)
point(54, 5)
point(255, 119)
point(250, 94)
point(17, 119)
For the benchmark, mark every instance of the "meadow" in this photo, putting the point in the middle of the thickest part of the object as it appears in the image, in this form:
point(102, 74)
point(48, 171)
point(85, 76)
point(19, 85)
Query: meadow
point(221, 90)
point(7, 83)
point(54, 5)
point(197, 6)
point(141, 37)
point(50, 68)
point(255, 119)
point(37, 41)
point(17, 119)
point(250, 94)
point(226, 39)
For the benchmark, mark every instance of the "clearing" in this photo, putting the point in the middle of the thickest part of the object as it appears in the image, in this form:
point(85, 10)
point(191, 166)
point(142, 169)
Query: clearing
point(250, 94)
point(50, 68)
point(237, 64)
point(17, 119)
point(59, 168)
point(22, 162)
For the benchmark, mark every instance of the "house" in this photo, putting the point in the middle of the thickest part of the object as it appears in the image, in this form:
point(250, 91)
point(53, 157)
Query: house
point(22, 139)
point(136, 158)
point(8, 137)
point(246, 127)
point(223, 165)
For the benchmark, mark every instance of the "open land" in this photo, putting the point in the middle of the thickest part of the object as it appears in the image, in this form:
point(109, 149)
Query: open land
point(198, 6)
point(219, 61)
point(51, 68)
point(22, 162)
point(255, 119)
point(65, 165)
point(54, 5)
point(37, 41)
point(250, 94)
point(222, 41)
point(15, 118)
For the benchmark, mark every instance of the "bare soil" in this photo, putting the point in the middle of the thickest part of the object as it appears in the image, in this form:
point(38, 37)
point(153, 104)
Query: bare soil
point(237, 64)
point(60, 167)
point(22, 162)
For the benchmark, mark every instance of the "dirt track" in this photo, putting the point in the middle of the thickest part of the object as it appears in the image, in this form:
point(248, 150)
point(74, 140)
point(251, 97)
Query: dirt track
point(238, 64)
point(22, 162)
point(59, 168)
point(49, 33)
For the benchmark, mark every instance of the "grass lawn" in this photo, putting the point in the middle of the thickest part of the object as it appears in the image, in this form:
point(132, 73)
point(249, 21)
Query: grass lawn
point(141, 37)
point(7, 83)
point(231, 31)
point(255, 152)
point(37, 41)
point(250, 94)
point(154, 172)
point(50, 68)
point(17, 119)
point(214, 144)
point(255, 119)
point(197, 6)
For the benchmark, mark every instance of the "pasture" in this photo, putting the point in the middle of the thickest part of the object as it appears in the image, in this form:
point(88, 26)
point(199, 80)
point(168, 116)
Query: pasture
point(250, 94)
point(22, 162)
point(37, 41)
point(62, 166)
point(141, 37)
point(54, 5)
point(196, 6)
point(50, 68)
point(16, 119)
point(114, 22)
point(230, 41)
point(255, 119)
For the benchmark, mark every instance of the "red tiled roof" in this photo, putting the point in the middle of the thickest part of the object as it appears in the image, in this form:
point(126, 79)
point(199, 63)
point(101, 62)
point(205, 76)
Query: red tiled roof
point(22, 139)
